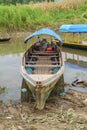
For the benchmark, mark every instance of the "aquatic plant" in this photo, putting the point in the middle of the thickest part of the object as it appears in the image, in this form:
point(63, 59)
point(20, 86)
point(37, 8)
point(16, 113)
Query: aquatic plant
point(2, 90)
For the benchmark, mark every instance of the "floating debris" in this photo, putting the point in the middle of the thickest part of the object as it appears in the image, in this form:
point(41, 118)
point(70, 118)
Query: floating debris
point(62, 93)
point(78, 82)
point(24, 90)
point(74, 82)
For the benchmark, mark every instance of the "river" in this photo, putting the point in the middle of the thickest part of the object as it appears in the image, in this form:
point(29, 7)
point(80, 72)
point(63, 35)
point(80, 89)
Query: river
point(10, 77)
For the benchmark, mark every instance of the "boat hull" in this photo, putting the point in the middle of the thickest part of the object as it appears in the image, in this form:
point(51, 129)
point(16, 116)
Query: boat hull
point(75, 46)
point(41, 94)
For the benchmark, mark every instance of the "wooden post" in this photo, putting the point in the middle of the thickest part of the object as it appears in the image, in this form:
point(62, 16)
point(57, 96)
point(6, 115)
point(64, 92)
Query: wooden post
point(79, 40)
point(73, 38)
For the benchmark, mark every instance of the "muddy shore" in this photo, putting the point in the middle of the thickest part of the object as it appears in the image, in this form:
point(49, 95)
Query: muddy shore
point(66, 112)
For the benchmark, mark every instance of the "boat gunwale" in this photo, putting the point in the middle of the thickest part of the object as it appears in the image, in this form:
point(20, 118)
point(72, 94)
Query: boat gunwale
point(46, 80)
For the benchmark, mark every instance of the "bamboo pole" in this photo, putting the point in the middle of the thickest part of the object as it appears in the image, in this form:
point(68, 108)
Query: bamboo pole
point(79, 38)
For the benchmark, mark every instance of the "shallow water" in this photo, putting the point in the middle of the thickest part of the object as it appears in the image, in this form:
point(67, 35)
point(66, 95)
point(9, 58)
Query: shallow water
point(75, 64)
point(10, 77)
point(75, 68)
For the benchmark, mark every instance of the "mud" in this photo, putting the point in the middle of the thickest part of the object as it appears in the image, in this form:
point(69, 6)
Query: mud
point(66, 112)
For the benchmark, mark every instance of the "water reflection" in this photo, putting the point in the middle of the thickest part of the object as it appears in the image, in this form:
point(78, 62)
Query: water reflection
point(10, 77)
point(76, 57)
point(15, 46)
point(75, 64)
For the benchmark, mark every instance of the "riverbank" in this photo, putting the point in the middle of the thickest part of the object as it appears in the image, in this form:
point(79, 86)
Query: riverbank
point(66, 112)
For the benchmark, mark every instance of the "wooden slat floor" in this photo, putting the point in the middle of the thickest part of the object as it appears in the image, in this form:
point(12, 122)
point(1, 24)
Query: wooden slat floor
point(42, 60)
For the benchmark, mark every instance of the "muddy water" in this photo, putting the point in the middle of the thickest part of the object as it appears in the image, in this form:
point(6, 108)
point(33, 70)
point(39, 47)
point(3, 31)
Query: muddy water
point(10, 77)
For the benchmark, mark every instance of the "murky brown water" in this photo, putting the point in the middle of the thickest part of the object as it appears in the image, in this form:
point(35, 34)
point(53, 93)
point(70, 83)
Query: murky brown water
point(10, 77)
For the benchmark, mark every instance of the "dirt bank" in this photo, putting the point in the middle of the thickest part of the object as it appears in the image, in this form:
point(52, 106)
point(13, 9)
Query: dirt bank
point(66, 112)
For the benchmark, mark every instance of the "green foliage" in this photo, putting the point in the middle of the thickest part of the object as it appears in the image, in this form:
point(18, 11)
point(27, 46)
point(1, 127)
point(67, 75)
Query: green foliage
point(24, 17)
point(14, 2)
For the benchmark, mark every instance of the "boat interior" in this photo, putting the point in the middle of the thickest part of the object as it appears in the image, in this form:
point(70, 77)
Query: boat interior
point(43, 58)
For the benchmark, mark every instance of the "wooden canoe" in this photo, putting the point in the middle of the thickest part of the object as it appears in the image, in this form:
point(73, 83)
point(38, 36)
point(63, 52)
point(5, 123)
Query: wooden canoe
point(4, 39)
point(42, 66)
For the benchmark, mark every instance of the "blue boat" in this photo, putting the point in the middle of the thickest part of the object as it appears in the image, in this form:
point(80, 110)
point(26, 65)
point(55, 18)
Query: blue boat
point(75, 30)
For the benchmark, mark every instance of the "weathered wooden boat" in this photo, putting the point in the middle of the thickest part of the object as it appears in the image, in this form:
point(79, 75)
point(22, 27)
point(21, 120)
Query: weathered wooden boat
point(4, 39)
point(73, 35)
point(42, 65)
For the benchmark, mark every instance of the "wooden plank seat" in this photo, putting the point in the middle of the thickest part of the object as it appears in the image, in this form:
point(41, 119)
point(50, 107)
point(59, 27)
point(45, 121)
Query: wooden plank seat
point(42, 57)
point(45, 53)
point(38, 65)
point(34, 62)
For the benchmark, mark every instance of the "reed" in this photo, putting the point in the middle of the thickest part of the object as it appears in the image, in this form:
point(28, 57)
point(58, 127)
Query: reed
point(32, 16)
point(63, 5)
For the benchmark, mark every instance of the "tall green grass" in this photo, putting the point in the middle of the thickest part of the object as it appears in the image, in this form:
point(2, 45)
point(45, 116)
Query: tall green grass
point(22, 17)
point(32, 16)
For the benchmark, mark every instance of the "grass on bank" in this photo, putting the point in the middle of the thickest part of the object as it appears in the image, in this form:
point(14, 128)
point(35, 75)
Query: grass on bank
point(34, 16)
